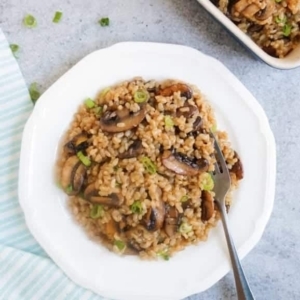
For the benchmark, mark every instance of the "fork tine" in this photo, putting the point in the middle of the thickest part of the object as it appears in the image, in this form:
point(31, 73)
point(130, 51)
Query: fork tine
point(220, 158)
point(217, 168)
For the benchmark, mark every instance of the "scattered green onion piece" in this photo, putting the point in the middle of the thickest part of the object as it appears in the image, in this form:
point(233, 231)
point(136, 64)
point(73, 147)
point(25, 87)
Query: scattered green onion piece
point(84, 159)
point(148, 164)
point(98, 111)
point(116, 168)
point(164, 254)
point(57, 17)
point(136, 207)
point(104, 92)
point(34, 93)
point(104, 22)
point(185, 228)
point(280, 20)
point(278, 1)
point(207, 182)
point(141, 96)
point(287, 29)
point(14, 48)
point(169, 122)
point(89, 103)
point(97, 211)
point(69, 189)
point(29, 21)
point(118, 184)
point(120, 245)
point(184, 198)
point(214, 128)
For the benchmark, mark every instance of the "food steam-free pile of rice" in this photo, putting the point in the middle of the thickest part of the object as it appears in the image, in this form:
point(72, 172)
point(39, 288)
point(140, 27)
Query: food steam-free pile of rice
point(137, 164)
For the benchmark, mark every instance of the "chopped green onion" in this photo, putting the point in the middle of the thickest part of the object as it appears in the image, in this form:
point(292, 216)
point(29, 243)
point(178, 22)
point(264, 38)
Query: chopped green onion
point(169, 122)
point(278, 1)
point(104, 92)
point(57, 17)
point(98, 111)
point(136, 207)
point(69, 189)
point(287, 29)
point(148, 164)
point(29, 21)
point(97, 211)
point(185, 228)
point(84, 159)
point(89, 103)
point(118, 184)
point(104, 22)
point(141, 96)
point(164, 254)
point(207, 182)
point(214, 128)
point(116, 168)
point(120, 245)
point(14, 48)
point(184, 198)
point(34, 93)
point(280, 20)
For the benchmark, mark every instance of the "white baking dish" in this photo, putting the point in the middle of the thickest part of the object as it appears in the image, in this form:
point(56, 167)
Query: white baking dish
point(292, 60)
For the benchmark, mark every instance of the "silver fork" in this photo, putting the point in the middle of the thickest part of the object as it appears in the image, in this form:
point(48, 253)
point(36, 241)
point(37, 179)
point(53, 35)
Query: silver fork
point(221, 186)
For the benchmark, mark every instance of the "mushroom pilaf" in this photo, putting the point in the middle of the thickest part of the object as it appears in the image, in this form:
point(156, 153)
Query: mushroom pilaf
point(273, 24)
point(137, 164)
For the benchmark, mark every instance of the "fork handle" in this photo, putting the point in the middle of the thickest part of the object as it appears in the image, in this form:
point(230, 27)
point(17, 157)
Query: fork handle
point(242, 286)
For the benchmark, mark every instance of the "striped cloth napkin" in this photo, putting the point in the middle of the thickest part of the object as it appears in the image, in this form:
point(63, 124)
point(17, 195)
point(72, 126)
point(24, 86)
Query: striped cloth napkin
point(26, 272)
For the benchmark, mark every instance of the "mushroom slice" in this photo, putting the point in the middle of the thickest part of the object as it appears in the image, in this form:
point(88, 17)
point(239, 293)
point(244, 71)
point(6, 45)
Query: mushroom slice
point(91, 194)
point(187, 111)
point(185, 90)
point(172, 220)
point(135, 149)
point(78, 143)
point(183, 165)
point(110, 228)
point(237, 168)
point(197, 124)
point(207, 206)
point(121, 120)
point(155, 215)
point(72, 175)
point(267, 12)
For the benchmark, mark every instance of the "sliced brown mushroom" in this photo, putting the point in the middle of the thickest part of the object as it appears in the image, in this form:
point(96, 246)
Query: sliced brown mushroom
point(73, 175)
point(135, 149)
point(121, 120)
point(110, 229)
point(172, 220)
point(237, 168)
point(78, 143)
point(155, 216)
point(187, 111)
point(91, 194)
point(197, 124)
point(185, 90)
point(267, 12)
point(207, 206)
point(183, 165)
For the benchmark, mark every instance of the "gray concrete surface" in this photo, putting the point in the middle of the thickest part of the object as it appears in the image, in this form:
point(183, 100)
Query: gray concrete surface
point(273, 267)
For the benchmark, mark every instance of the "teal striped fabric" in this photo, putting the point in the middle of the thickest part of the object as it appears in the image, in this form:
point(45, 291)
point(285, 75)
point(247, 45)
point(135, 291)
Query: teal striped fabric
point(26, 272)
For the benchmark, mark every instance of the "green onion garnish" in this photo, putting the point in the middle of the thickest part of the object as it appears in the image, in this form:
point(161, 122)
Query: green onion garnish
point(84, 159)
point(184, 198)
point(164, 254)
point(97, 211)
point(116, 168)
point(185, 228)
point(30, 21)
point(69, 189)
point(136, 207)
point(98, 111)
point(207, 182)
point(104, 22)
point(57, 17)
point(278, 1)
point(280, 20)
point(141, 96)
point(104, 92)
point(287, 29)
point(34, 93)
point(118, 184)
point(214, 128)
point(148, 164)
point(169, 122)
point(120, 245)
point(89, 103)
point(14, 48)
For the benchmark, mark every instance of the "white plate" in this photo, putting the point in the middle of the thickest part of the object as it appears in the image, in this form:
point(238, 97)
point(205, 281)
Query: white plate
point(292, 60)
point(92, 266)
